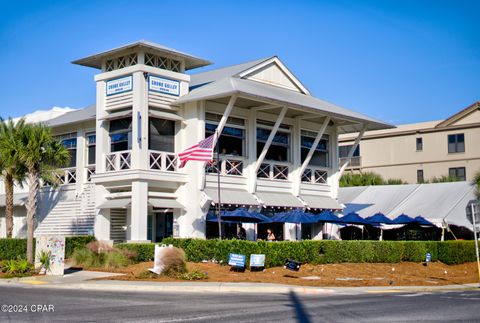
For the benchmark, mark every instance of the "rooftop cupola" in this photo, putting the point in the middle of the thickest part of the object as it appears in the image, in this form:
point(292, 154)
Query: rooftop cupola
point(143, 52)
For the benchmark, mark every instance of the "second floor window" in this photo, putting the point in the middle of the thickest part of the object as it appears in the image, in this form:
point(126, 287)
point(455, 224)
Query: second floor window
point(320, 156)
point(232, 140)
point(419, 144)
point(161, 135)
point(91, 145)
point(120, 134)
point(456, 143)
point(69, 141)
point(279, 149)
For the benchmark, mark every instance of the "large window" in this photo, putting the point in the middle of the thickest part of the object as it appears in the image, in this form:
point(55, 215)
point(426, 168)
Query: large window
point(161, 135)
point(232, 140)
point(121, 134)
point(69, 141)
point(279, 149)
point(91, 143)
point(458, 172)
point(456, 143)
point(320, 156)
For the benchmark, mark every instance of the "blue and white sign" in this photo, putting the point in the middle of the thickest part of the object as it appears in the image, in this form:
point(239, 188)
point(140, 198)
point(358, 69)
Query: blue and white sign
point(428, 257)
point(163, 85)
point(120, 85)
point(236, 260)
point(257, 260)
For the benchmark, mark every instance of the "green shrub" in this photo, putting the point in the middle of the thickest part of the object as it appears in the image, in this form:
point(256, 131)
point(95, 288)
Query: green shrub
point(316, 251)
point(14, 248)
point(17, 267)
point(142, 251)
point(87, 258)
point(193, 275)
point(71, 243)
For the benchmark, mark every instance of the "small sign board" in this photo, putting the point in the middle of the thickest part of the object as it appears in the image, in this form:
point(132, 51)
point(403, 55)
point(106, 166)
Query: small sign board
point(257, 260)
point(163, 85)
point(291, 264)
point(428, 257)
point(236, 260)
point(120, 85)
point(55, 247)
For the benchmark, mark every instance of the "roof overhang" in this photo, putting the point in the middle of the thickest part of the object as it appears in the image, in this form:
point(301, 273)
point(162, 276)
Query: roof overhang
point(95, 60)
point(348, 120)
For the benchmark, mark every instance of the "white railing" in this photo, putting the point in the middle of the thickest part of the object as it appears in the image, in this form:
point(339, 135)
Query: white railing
point(67, 176)
point(228, 166)
point(90, 170)
point(273, 170)
point(315, 175)
point(354, 161)
point(165, 161)
point(119, 160)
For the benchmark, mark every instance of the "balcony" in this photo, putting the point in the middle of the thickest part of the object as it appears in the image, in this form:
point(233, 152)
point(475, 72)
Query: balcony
point(164, 161)
point(355, 162)
point(315, 175)
point(274, 170)
point(67, 176)
point(90, 172)
point(228, 166)
point(119, 160)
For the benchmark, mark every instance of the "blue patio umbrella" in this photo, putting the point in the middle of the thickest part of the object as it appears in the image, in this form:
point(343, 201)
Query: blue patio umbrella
point(242, 215)
point(295, 216)
point(327, 216)
point(422, 221)
point(353, 218)
point(403, 219)
point(378, 218)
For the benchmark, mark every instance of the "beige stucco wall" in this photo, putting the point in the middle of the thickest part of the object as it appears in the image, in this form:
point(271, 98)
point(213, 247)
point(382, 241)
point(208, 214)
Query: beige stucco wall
point(395, 156)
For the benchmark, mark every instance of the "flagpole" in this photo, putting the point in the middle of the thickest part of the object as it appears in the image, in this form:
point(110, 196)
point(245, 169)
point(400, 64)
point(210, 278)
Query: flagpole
point(219, 167)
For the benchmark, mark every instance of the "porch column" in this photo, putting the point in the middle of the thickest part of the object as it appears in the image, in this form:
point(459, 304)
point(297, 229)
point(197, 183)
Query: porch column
point(139, 212)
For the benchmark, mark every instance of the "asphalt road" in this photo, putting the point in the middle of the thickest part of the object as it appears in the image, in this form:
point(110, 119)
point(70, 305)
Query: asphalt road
point(90, 306)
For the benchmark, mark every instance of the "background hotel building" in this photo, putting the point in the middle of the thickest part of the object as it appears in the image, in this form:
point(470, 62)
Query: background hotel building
point(417, 152)
point(278, 147)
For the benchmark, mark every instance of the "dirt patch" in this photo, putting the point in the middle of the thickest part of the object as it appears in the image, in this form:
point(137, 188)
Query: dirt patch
point(401, 274)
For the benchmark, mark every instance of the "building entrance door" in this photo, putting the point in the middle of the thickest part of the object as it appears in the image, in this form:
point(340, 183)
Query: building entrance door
point(163, 225)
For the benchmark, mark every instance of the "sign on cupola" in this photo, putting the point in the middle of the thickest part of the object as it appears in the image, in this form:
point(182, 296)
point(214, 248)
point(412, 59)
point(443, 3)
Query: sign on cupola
point(119, 85)
point(163, 85)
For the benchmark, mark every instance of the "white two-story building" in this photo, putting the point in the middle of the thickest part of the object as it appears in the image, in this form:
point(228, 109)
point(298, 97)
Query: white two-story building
point(278, 148)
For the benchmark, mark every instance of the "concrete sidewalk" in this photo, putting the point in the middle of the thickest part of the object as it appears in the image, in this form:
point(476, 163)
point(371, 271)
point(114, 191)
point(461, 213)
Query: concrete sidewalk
point(86, 280)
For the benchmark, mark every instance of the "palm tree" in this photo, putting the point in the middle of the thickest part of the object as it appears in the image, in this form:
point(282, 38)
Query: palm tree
point(41, 155)
point(10, 166)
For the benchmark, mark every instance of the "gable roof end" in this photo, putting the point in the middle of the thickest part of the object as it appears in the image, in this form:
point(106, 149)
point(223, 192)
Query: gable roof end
point(459, 115)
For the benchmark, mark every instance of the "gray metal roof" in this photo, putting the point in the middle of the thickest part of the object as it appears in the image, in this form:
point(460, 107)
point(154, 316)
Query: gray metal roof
point(276, 95)
point(73, 117)
point(95, 60)
point(220, 73)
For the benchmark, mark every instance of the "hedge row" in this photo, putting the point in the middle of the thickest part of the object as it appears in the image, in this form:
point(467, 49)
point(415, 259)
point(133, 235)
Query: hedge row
point(316, 252)
point(14, 248)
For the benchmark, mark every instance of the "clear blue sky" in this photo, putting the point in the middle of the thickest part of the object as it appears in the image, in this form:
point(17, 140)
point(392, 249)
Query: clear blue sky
point(399, 61)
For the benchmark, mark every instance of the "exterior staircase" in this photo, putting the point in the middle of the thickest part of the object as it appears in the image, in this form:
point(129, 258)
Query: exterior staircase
point(71, 217)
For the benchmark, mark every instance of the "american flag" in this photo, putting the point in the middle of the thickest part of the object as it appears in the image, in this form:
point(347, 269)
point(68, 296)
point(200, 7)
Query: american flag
point(203, 151)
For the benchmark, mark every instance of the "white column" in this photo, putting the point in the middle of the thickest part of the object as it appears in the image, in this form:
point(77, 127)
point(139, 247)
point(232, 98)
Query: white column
point(80, 162)
point(139, 211)
point(102, 140)
point(295, 173)
point(139, 122)
point(251, 150)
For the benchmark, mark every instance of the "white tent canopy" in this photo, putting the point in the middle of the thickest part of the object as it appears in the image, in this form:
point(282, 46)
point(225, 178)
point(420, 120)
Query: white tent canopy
point(436, 202)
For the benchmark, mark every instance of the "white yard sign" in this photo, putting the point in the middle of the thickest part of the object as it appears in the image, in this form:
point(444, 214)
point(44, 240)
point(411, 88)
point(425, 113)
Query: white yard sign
point(55, 247)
